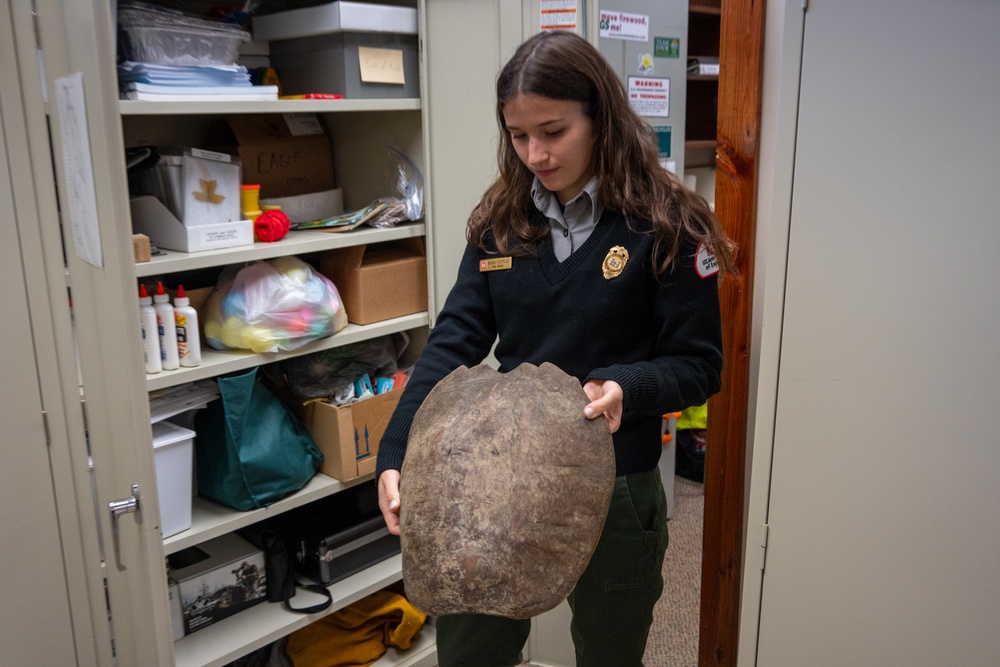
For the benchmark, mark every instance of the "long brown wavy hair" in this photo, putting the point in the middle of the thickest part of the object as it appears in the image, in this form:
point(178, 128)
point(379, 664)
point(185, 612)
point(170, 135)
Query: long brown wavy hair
point(561, 65)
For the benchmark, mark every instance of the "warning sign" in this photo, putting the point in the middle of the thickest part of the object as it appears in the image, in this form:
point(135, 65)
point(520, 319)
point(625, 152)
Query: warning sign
point(649, 96)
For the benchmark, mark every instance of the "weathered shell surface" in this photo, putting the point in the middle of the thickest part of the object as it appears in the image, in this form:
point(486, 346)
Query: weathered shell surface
point(504, 492)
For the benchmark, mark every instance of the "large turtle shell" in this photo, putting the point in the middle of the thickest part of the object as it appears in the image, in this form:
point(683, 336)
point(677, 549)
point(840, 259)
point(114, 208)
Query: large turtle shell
point(504, 491)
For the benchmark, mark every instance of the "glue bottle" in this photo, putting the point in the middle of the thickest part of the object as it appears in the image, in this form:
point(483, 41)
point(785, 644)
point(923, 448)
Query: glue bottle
point(188, 341)
point(167, 327)
point(150, 332)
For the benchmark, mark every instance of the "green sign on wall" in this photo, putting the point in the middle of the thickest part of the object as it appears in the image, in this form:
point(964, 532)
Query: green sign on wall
point(667, 47)
point(663, 139)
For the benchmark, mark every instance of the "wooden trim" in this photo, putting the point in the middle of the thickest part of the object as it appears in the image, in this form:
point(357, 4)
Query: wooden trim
point(741, 56)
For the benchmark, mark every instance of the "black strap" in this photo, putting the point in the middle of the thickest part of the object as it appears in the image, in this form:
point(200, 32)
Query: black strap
point(281, 581)
point(312, 609)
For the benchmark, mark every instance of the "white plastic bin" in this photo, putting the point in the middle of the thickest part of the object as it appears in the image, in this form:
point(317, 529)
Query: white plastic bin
point(173, 454)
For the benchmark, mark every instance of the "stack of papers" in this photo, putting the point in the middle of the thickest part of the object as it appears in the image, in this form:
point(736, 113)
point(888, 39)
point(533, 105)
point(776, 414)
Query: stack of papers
point(186, 83)
point(345, 222)
point(174, 401)
point(703, 65)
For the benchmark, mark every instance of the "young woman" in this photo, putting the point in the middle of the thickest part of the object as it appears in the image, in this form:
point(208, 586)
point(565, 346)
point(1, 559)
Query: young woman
point(612, 278)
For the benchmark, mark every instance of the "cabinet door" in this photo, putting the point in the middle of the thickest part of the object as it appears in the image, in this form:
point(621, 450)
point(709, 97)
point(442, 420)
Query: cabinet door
point(881, 489)
point(38, 629)
point(77, 39)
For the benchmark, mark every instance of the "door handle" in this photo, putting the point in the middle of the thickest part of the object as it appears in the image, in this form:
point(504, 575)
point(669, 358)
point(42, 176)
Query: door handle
point(117, 508)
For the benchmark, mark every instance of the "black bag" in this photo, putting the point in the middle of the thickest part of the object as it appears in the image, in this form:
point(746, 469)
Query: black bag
point(339, 535)
point(281, 581)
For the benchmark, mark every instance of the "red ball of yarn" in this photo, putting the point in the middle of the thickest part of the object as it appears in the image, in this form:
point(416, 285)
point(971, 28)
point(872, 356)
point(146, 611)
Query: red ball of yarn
point(271, 226)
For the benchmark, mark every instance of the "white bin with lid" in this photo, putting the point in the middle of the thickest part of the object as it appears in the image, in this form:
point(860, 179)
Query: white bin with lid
point(173, 455)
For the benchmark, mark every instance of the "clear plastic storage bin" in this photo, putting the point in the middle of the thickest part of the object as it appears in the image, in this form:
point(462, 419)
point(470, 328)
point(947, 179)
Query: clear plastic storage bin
point(165, 37)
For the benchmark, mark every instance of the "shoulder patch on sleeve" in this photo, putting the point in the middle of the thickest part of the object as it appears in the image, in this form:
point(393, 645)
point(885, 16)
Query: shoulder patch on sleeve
point(706, 264)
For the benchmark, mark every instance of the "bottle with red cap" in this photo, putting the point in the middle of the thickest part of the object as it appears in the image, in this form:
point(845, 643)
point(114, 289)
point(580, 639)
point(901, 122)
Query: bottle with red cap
point(150, 332)
point(188, 340)
point(167, 328)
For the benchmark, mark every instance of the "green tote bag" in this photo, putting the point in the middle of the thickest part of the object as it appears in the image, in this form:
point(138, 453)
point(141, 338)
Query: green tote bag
point(250, 450)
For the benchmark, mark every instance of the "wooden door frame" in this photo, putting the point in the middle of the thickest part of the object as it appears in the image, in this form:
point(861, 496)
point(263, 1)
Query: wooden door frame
point(737, 148)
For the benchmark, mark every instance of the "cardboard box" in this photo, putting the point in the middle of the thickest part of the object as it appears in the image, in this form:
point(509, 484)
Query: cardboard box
point(348, 435)
point(217, 579)
point(140, 248)
point(287, 154)
point(152, 218)
point(176, 617)
point(380, 281)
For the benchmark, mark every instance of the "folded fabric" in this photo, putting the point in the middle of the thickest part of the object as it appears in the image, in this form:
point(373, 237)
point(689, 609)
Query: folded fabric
point(694, 417)
point(357, 635)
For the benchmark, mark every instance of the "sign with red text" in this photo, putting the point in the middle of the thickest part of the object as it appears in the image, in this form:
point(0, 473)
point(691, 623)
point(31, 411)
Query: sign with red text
point(649, 96)
point(558, 14)
point(619, 25)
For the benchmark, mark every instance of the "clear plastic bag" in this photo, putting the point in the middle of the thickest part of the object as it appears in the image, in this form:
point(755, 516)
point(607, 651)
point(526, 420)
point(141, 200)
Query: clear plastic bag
point(269, 306)
point(409, 184)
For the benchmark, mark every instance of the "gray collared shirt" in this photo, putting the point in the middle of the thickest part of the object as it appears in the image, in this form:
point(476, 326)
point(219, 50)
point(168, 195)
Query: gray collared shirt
point(573, 223)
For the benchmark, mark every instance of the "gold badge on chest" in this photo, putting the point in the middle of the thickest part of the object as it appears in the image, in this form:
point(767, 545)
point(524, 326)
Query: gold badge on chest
point(614, 262)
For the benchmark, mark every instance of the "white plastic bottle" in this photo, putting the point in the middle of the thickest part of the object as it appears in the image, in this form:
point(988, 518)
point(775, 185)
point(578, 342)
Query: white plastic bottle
point(188, 341)
point(150, 332)
point(167, 328)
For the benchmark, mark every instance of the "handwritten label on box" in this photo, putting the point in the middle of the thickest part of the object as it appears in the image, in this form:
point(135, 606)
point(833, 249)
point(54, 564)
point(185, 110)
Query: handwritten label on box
point(381, 65)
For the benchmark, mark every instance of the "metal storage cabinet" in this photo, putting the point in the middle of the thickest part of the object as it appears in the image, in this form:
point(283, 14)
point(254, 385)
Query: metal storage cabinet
point(76, 38)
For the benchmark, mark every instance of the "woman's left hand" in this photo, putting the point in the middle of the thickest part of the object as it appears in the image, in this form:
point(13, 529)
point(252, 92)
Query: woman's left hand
point(605, 399)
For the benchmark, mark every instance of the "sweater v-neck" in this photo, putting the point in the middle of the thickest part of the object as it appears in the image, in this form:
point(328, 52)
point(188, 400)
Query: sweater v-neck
point(556, 271)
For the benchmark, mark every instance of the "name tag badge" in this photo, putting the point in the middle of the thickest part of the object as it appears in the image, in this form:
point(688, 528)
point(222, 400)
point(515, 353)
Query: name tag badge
point(494, 264)
point(706, 264)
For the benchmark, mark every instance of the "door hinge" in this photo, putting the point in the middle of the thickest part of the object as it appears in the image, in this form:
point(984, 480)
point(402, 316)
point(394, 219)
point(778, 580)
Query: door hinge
point(45, 425)
point(763, 547)
point(34, 23)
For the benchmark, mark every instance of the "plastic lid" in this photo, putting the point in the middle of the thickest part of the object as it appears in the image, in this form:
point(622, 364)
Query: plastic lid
point(165, 433)
point(181, 299)
point(144, 298)
point(161, 295)
point(250, 186)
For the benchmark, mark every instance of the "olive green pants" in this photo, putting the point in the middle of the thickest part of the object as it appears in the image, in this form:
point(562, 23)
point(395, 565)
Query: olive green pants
point(612, 603)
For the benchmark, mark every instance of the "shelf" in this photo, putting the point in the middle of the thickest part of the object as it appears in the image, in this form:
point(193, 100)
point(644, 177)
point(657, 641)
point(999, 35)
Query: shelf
point(161, 108)
point(295, 243)
point(699, 143)
point(227, 640)
point(699, 8)
point(703, 77)
point(210, 519)
point(219, 362)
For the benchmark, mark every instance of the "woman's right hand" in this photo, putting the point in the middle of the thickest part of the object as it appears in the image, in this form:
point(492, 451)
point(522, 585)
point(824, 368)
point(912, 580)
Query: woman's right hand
point(388, 499)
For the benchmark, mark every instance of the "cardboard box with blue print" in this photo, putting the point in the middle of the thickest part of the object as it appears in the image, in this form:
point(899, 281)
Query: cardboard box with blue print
point(348, 435)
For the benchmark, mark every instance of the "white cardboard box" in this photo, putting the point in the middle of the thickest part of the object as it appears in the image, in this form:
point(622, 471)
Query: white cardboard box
point(335, 17)
point(152, 218)
point(309, 207)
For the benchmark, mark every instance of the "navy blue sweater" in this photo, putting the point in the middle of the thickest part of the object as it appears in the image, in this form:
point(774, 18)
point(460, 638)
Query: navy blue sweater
point(660, 339)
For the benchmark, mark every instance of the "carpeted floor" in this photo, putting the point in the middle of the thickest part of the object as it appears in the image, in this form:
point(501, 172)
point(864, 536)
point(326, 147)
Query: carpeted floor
point(673, 640)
